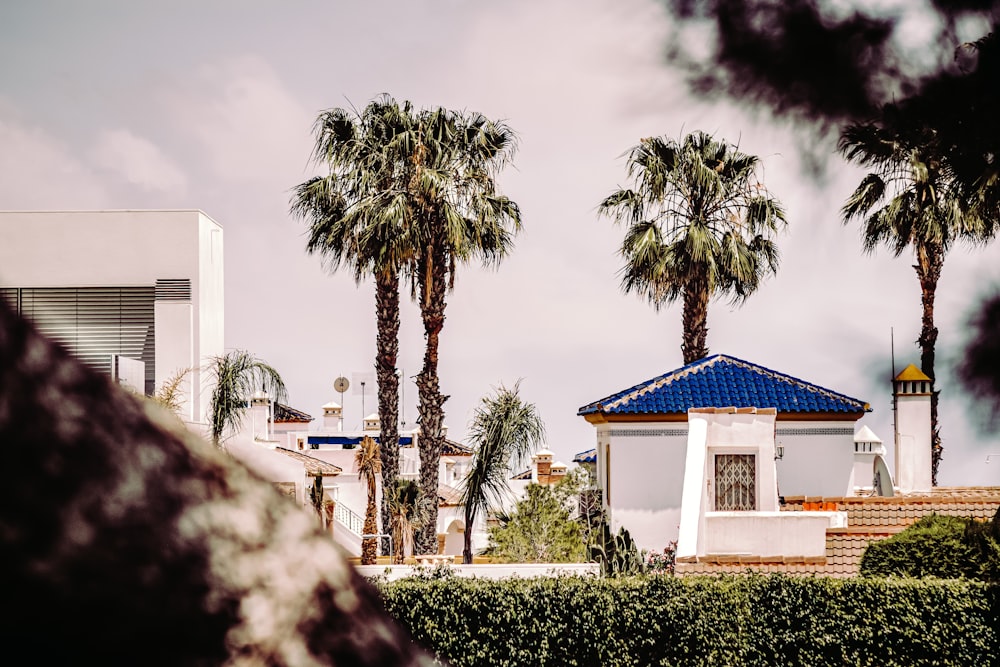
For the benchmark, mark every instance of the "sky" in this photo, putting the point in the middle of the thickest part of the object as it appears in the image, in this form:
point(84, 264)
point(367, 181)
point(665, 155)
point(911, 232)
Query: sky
point(210, 105)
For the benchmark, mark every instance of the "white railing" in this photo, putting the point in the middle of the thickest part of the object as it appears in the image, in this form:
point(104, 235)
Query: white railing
point(354, 521)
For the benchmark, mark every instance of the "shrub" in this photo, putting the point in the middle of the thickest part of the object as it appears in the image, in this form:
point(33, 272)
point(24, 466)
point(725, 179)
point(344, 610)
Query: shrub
point(737, 620)
point(937, 546)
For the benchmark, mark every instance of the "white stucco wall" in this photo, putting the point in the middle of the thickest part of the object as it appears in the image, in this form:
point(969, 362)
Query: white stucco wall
point(913, 443)
point(769, 533)
point(714, 432)
point(646, 478)
point(818, 458)
point(130, 248)
point(270, 465)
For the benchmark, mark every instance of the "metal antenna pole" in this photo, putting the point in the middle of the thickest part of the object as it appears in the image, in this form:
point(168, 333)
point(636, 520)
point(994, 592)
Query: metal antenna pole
point(895, 415)
point(363, 415)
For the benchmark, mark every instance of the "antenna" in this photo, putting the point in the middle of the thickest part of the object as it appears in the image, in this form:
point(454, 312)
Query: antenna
point(895, 400)
point(341, 384)
point(361, 382)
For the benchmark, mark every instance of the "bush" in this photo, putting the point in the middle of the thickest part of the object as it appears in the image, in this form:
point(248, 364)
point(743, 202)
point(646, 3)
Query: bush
point(737, 620)
point(947, 547)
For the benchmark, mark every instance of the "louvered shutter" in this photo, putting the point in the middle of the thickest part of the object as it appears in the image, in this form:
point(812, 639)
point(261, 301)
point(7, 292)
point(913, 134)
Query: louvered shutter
point(94, 323)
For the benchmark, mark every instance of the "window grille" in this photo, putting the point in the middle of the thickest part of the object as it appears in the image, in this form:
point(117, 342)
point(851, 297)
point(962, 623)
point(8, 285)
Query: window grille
point(735, 482)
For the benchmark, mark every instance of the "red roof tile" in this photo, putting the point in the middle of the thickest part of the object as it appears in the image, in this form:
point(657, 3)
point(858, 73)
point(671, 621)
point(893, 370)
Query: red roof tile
point(869, 519)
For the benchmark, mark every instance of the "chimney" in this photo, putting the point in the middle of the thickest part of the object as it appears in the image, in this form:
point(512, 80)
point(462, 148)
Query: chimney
point(372, 422)
point(333, 417)
point(911, 391)
point(867, 446)
point(260, 417)
point(543, 466)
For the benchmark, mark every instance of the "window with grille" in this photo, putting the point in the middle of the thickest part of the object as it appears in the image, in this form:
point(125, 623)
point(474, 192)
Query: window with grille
point(94, 323)
point(735, 482)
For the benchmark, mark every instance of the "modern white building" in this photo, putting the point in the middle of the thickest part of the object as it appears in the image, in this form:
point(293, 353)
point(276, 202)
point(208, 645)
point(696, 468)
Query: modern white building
point(125, 291)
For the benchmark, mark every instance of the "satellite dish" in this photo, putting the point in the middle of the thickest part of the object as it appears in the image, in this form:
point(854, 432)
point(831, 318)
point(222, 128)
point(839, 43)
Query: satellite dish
point(341, 384)
point(882, 481)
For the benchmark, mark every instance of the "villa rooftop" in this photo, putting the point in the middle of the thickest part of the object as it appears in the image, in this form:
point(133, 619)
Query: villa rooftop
point(284, 414)
point(314, 466)
point(722, 381)
point(869, 519)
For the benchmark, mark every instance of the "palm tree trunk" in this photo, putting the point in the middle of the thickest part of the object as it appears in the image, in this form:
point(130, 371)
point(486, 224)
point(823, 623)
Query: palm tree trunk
point(695, 321)
point(369, 547)
point(432, 305)
point(387, 316)
point(930, 259)
point(469, 518)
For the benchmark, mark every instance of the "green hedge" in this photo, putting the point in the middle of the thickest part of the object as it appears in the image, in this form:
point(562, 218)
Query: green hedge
point(949, 547)
point(752, 620)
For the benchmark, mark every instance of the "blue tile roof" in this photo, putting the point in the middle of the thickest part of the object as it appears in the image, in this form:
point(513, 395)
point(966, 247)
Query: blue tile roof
point(721, 381)
point(589, 456)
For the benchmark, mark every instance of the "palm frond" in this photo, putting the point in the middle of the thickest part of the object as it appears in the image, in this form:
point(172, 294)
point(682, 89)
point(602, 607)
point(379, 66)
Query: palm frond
point(692, 202)
point(504, 430)
point(236, 376)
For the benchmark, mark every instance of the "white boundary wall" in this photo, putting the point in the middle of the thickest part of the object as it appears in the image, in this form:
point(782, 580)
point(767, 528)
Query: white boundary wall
point(491, 571)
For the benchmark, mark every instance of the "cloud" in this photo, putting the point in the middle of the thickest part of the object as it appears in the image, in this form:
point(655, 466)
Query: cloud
point(247, 123)
point(37, 171)
point(139, 161)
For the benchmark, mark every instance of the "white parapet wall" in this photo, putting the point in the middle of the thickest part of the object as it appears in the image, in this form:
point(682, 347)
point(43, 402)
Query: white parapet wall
point(490, 571)
point(769, 533)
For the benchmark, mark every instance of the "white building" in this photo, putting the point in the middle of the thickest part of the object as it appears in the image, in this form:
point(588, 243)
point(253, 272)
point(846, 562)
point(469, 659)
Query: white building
point(142, 285)
point(330, 443)
point(718, 436)
point(751, 470)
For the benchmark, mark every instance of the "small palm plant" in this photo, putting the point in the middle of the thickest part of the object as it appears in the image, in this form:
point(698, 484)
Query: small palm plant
point(505, 430)
point(369, 466)
point(408, 511)
point(237, 375)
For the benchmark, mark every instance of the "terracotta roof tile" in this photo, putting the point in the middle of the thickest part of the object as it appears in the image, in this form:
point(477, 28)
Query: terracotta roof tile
point(314, 467)
point(869, 519)
point(284, 414)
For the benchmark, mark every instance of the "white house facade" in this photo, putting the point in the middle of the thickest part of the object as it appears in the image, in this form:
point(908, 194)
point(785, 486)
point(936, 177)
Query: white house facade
point(718, 436)
point(128, 292)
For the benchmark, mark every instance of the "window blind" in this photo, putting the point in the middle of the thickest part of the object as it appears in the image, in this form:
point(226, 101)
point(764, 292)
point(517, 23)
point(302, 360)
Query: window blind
point(94, 322)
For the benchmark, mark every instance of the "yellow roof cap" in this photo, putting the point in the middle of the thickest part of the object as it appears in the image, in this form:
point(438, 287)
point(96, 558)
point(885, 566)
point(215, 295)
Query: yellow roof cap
point(912, 374)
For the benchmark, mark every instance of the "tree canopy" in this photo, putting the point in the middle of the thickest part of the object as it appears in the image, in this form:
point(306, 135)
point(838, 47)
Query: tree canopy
point(699, 223)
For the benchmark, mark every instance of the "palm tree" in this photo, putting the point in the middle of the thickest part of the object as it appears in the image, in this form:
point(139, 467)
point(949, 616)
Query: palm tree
point(408, 512)
point(359, 217)
point(699, 224)
point(236, 376)
point(505, 430)
point(460, 216)
point(369, 466)
point(909, 199)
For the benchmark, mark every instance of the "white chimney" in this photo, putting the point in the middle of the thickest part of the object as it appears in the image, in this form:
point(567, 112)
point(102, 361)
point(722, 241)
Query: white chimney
point(372, 422)
point(333, 416)
point(260, 416)
point(912, 392)
point(867, 446)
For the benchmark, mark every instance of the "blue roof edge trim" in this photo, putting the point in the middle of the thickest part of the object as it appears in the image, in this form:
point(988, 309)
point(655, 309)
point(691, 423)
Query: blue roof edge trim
point(680, 404)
